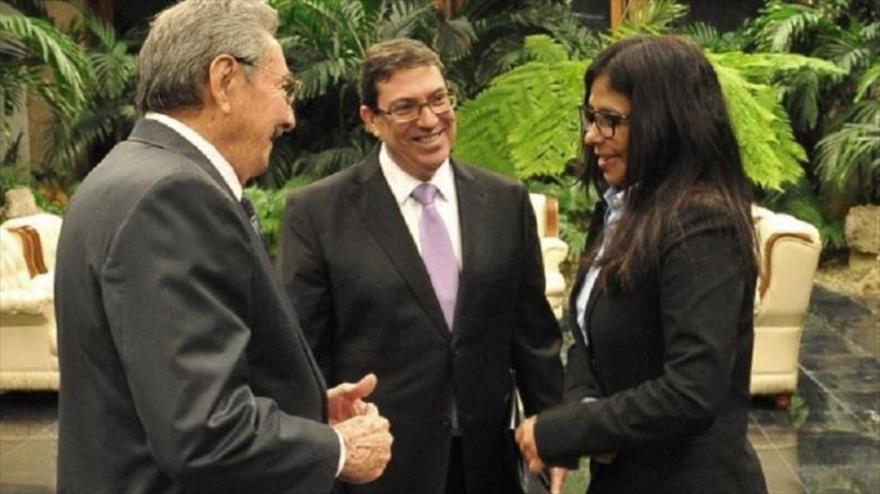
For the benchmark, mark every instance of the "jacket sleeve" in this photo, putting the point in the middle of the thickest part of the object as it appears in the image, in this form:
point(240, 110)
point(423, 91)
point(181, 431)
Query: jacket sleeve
point(537, 340)
point(702, 286)
point(579, 380)
point(303, 272)
point(177, 285)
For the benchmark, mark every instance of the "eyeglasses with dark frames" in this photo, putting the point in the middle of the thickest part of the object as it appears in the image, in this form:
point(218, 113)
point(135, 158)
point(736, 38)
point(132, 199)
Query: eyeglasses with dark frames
point(290, 85)
point(606, 122)
point(409, 110)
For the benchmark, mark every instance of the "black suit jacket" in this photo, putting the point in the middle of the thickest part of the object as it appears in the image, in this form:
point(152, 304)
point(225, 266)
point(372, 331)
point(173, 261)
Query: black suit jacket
point(670, 363)
point(364, 296)
point(183, 368)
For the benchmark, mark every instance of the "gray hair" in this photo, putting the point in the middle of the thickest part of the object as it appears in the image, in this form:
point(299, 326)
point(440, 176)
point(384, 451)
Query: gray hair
point(384, 59)
point(183, 41)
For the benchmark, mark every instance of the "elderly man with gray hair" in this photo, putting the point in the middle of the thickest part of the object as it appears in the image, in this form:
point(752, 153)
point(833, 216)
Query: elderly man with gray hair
point(183, 367)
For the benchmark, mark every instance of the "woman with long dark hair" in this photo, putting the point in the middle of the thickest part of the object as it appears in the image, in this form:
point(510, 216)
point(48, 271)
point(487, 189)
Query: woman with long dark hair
point(657, 385)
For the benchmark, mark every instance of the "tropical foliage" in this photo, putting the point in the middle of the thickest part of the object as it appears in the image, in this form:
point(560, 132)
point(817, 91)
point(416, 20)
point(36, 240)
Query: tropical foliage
point(802, 81)
point(838, 120)
point(37, 55)
point(108, 114)
point(526, 124)
point(84, 74)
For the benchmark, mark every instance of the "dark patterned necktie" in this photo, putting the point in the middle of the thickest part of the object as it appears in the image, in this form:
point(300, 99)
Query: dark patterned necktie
point(251, 213)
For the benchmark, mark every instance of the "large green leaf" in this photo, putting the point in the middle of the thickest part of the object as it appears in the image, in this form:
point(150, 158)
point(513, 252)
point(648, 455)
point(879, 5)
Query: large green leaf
point(768, 67)
point(525, 124)
point(31, 42)
point(771, 156)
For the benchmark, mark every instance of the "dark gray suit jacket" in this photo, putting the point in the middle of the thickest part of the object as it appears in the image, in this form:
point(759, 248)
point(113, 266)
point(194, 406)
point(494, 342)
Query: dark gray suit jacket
point(366, 302)
point(183, 367)
point(670, 362)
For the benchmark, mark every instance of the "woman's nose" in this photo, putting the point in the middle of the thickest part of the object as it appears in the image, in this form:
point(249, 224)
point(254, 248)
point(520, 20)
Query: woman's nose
point(592, 135)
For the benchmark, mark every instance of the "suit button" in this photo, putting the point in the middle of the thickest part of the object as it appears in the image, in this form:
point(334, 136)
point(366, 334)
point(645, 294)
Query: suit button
point(446, 421)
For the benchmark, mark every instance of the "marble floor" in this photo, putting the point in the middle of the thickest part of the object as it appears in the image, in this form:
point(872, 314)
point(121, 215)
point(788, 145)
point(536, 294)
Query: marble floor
point(827, 442)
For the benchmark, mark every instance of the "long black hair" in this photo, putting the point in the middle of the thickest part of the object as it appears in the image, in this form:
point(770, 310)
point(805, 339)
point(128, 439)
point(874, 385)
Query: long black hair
point(682, 152)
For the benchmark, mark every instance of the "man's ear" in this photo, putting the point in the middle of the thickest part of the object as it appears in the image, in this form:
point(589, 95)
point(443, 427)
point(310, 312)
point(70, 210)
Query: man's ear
point(368, 118)
point(221, 78)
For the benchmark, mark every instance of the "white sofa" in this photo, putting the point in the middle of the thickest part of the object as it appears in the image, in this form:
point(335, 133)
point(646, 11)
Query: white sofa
point(789, 255)
point(28, 344)
point(553, 249)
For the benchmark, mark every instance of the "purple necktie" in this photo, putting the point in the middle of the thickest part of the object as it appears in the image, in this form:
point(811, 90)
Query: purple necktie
point(437, 252)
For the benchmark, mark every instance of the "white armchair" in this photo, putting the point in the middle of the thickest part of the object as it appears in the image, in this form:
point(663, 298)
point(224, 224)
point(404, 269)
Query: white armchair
point(553, 249)
point(789, 250)
point(28, 344)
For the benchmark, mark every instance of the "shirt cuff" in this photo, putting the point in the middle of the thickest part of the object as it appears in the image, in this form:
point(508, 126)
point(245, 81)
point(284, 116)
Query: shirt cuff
point(342, 453)
point(589, 399)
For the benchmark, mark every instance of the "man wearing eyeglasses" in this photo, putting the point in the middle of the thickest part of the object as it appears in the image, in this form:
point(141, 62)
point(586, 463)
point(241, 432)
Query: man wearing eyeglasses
point(426, 271)
point(183, 367)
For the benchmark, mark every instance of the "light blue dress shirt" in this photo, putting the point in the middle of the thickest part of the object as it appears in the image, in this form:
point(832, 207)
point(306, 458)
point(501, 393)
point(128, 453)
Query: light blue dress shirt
point(614, 198)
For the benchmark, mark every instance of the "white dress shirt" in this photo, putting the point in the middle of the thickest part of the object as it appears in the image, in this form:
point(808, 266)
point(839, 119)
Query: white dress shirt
point(205, 147)
point(402, 185)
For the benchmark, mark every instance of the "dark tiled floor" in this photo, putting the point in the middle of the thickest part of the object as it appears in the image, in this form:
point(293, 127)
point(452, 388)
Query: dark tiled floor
point(827, 442)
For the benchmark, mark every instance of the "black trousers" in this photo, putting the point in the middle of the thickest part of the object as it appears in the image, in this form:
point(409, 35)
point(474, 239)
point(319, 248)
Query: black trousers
point(455, 483)
point(455, 475)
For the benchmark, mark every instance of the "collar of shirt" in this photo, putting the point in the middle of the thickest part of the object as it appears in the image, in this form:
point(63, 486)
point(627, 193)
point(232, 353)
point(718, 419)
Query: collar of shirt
point(402, 183)
point(205, 147)
point(614, 197)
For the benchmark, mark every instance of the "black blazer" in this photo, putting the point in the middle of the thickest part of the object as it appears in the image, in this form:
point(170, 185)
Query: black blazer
point(670, 364)
point(183, 368)
point(366, 303)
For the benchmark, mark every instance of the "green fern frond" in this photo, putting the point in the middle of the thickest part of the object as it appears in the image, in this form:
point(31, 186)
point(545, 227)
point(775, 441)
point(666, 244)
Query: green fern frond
point(525, 123)
point(543, 48)
point(768, 67)
point(771, 156)
point(869, 83)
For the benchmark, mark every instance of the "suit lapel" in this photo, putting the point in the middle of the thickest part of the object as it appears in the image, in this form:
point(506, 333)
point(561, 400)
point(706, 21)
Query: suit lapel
point(158, 134)
point(472, 209)
point(371, 196)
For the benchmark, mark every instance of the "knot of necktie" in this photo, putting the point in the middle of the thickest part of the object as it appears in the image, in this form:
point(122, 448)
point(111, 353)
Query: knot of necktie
point(254, 220)
point(248, 207)
point(425, 193)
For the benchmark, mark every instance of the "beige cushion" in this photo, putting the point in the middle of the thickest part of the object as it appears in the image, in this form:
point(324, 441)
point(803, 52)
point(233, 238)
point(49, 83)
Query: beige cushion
point(28, 346)
point(789, 250)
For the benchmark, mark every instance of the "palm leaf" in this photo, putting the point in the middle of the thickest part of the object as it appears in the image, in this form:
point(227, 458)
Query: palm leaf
point(853, 152)
point(655, 17)
point(45, 44)
point(454, 39)
point(784, 24)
